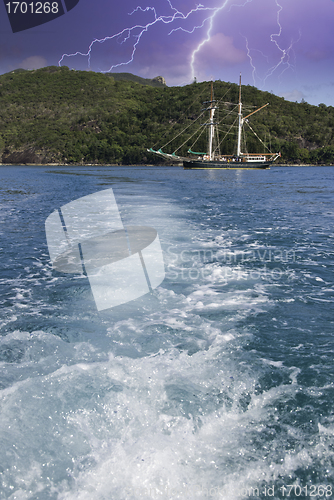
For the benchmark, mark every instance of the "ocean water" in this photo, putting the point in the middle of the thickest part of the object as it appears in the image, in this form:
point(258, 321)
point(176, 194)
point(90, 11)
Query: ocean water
point(218, 384)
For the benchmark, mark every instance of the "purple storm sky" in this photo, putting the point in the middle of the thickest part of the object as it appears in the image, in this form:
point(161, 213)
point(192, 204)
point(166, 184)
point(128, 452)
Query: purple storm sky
point(282, 46)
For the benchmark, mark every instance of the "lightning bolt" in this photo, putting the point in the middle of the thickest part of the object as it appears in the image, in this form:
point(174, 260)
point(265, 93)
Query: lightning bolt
point(208, 36)
point(285, 54)
point(254, 71)
point(134, 34)
point(208, 33)
point(137, 31)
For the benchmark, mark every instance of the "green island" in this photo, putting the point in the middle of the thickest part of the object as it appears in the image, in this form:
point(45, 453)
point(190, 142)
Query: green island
point(55, 115)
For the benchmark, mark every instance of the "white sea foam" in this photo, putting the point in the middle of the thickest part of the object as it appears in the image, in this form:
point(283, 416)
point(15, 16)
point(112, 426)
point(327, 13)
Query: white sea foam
point(211, 387)
point(129, 425)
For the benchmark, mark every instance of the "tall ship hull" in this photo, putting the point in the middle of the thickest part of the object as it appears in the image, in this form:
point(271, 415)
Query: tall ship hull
point(213, 158)
point(203, 164)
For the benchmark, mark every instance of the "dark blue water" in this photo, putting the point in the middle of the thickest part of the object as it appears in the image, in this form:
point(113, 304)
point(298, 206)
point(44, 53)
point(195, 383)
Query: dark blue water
point(219, 384)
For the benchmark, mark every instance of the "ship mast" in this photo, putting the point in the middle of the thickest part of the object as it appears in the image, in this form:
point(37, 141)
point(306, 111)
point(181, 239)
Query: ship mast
point(240, 120)
point(211, 124)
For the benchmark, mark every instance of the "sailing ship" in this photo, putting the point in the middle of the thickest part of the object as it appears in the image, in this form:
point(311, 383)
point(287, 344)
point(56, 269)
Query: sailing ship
point(212, 158)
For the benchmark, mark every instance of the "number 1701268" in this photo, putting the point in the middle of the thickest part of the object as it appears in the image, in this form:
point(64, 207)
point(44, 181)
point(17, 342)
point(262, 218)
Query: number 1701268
point(32, 7)
point(295, 490)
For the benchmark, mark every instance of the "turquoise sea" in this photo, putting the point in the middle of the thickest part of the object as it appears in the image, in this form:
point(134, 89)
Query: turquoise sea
point(218, 384)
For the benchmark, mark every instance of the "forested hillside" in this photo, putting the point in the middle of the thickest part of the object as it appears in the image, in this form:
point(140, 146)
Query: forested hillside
point(57, 115)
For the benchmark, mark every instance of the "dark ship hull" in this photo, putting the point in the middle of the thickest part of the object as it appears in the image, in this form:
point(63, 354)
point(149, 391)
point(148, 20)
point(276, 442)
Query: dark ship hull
point(204, 164)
